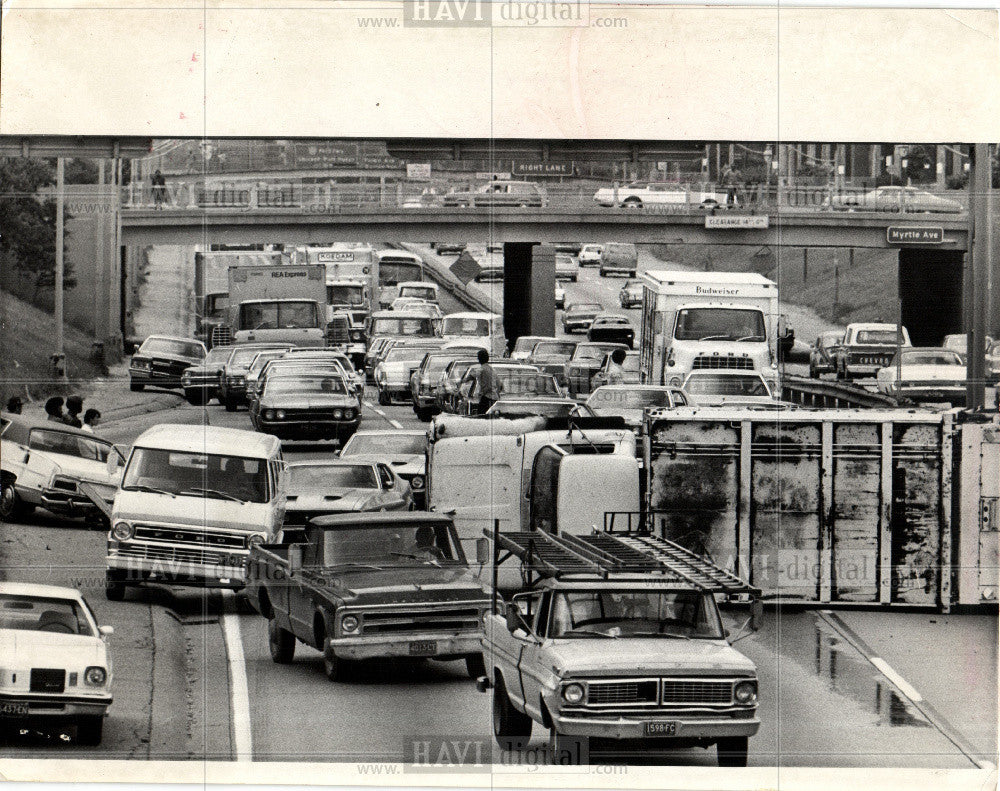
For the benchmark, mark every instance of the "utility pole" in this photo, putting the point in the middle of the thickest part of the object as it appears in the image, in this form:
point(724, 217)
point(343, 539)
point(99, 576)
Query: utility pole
point(977, 273)
point(59, 357)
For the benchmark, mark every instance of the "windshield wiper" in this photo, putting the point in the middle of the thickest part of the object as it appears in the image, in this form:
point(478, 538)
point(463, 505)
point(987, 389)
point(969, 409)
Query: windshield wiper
point(750, 338)
point(141, 487)
point(433, 561)
point(588, 633)
point(659, 634)
point(714, 338)
point(356, 566)
point(217, 493)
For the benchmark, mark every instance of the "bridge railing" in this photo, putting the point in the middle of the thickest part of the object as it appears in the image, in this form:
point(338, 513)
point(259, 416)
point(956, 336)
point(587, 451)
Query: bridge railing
point(687, 199)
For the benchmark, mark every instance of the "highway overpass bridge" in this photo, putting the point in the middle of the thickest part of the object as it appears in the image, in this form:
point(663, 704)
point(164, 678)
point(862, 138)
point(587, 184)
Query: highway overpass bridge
point(931, 247)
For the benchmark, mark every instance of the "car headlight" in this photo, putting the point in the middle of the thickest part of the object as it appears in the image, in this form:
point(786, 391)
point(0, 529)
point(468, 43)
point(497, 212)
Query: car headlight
point(123, 531)
point(255, 539)
point(338, 414)
point(572, 693)
point(236, 380)
point(746, 692)
point(269, 414)
point(141, 364)
point(95, 676)
point(675, 381)
point(348, 414)
point(349, 623)
point(355, 336)
point(186, 378)
point(280, 414)
point(417, 482)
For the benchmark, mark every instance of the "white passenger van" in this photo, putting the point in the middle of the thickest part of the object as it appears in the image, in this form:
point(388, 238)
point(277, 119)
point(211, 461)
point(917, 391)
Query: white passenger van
point(476, 329)
point(193, 500)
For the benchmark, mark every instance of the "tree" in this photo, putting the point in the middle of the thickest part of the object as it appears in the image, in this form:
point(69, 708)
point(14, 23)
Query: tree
point(28, 223)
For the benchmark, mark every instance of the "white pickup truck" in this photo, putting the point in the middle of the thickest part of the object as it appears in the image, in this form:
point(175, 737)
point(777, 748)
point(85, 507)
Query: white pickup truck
point(617, 639)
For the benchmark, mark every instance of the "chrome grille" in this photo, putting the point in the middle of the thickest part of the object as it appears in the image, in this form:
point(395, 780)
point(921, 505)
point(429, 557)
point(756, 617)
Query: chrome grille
point(222, 336)
point(444, 619)
point(197, 538)
point(174, 554)
point(718, 361)
point(697, 692)
point(616, 693)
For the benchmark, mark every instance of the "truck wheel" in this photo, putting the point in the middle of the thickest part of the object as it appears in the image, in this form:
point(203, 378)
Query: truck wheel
point(136, 387)
point(511, 728)
point(334, 668)
point(114, 586)
point(230, 404)
point(732, 751)
point(280, 642)
point(475, 666)
point(89, 730)
point(195, 397)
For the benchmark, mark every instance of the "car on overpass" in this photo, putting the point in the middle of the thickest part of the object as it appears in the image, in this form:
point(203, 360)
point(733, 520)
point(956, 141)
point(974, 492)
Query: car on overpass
point(498, 193)
point(652, 193)
point(55, 627)
point(896, 199)
point(924, 374)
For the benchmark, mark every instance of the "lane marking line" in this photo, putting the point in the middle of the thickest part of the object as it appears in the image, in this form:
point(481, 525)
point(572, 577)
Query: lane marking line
point(933, 716)
point(383, 415)
point(239, 689)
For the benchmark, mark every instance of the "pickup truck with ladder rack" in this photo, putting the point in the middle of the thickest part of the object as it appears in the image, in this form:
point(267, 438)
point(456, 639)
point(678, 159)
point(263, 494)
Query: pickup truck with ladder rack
point(617, 638)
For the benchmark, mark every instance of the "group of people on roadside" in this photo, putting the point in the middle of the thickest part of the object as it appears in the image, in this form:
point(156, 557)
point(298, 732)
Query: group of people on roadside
point(70, 415)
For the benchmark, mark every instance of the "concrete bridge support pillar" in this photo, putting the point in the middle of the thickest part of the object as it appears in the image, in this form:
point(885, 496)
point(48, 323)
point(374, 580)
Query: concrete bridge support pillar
point(528, 289)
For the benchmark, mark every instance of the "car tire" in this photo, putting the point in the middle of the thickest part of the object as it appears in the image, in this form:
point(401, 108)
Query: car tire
point(136, 387)
point(511, 728)
point(424, 415)
point(474, 665)
point(280, 642)
point(10, 503)
point(632, 203)
point(383, 398)
point(90, 730)
point(230, 404)
point(732, 752)
point(195, 397)
point(114, 586)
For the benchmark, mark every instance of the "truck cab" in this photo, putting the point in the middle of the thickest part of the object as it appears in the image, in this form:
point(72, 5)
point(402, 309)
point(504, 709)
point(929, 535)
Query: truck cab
point(192, 501)
point(715, 320)
point(617, 636)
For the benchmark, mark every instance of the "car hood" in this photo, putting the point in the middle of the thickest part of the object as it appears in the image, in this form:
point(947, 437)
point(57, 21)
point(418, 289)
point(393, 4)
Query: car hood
point(646, 656)
point(334, 498)
point(930, 372)
point(419, 582)
point(188, 510)
point(24, 649)
point(81, 469)
point(195, 370)
point(311, 401)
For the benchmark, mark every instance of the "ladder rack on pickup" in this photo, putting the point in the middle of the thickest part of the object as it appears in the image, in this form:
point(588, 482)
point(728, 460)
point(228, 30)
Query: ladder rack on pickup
point(607, 554)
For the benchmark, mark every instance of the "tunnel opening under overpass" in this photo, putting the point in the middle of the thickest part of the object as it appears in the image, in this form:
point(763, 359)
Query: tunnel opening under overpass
point(930, 293)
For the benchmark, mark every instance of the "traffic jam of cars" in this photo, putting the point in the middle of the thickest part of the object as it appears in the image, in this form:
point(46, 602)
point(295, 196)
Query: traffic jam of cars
point(519, 522)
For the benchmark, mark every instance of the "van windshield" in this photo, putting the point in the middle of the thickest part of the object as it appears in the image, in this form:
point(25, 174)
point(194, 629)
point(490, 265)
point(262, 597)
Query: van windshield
point(720, 324)
point(345, 295)
point(197, 474)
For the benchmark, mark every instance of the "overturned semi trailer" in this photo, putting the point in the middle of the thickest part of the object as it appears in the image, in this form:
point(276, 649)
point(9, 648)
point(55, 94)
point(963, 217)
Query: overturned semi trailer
point(832, 506)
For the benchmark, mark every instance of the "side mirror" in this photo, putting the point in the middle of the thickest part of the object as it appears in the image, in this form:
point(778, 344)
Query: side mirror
point(112, 463)
point(756, 614)
point(105, 631)
point(295, 558)
point(482, 551)
point(515, 620)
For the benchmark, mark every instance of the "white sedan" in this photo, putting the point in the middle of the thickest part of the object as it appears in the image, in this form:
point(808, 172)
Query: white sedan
point(924, 374)
point(718, 387)
point(56, 668)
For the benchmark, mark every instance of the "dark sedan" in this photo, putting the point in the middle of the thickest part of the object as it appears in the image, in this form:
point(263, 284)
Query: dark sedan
point(308, 406)
point(611, 328)
point(162, 359)
point(201, 382)
point(587, 360)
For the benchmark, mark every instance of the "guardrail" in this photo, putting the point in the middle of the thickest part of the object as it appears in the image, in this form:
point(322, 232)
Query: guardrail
point(837, 395)
point(685, 200)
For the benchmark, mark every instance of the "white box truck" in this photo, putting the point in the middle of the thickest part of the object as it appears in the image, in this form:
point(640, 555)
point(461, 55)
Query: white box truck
point(211, 284)
point(708, 320)
point(268, 304)
point(351, 275)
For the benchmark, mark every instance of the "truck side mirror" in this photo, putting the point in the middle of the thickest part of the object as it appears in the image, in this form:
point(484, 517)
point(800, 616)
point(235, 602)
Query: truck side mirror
point(482, 551)
point(756, 614)
point(295, 558)
point(112, 462)
point(515, 620)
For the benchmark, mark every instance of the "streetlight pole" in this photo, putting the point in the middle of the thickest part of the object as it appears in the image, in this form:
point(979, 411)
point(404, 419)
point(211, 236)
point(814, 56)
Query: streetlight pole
point(59, 357)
